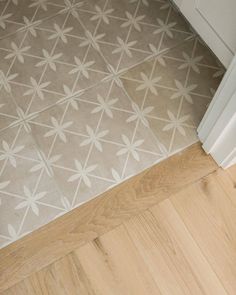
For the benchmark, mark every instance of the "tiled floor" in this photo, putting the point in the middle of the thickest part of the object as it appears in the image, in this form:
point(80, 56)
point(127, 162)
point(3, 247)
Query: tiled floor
point(91, 93)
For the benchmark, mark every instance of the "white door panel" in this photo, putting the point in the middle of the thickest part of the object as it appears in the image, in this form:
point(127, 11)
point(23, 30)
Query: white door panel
point(221, 16)
point(217, 130)
point(215, 21)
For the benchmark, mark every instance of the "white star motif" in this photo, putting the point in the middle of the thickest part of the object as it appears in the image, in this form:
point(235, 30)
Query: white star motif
point(133, 21)
point(94, 138)
point(50, 60)
point(92, 40)
point(83, 173)
point(31, 200)
point(60, 33)
point(183, 91)
point(191, 62)
point(24, 119)
point(3, 19)
point(30, 26)
point(70, 7)
point(159, 58)
point(165, 28)
point(36, 88)
point(100, 14)
point(140, 114)
point(9, 153)
point(124, 47)
point(130, 147)
point(82, 67)
point(17, 52)
point(148, 83)
point(176, 123)
point(113, 76)
point(45, 164)
point(58, 129)
point(104, 105)
point(4, 80)
point(72, 100)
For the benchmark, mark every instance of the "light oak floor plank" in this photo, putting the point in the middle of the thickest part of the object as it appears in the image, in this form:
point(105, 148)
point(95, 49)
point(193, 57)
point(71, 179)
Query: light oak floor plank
point(227, 181)
point(206, 278)
point(119, 257)
point(60, 237)
point(162, 255)
point(184, 244)
point(232, 172)
point(210, 216)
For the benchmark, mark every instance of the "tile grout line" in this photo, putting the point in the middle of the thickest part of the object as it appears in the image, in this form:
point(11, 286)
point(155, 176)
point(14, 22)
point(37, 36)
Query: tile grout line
point(182, 98)
point(33, 24)
point(36, 144)
point(62, 118)
point(160, 146)
point(122, 73)
point(66, 100)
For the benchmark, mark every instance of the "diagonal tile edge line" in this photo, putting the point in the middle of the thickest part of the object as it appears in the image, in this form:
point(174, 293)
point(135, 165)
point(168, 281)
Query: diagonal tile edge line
point(62, 100)
point(158, 142)
point(161, 53)
point(16, 107)
point(121, 73)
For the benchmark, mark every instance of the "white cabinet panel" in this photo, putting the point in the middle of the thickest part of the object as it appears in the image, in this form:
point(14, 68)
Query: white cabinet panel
point(217, 130)
point(215, 21)
point(221, 16)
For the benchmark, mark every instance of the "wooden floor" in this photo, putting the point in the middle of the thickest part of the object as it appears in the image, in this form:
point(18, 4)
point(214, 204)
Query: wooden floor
point(181, 239)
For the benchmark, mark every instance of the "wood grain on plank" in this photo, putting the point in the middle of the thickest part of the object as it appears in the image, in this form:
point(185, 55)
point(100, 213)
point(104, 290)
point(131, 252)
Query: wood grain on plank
point(109, 265)
point(201, 270)
point(117, 256)
point(210, 216)
point(232, 172)
point(176, 261)
point(227, 181)
point(83, 224)
point(184, 244)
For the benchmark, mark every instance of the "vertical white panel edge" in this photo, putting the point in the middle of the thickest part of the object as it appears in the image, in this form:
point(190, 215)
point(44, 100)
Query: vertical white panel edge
point(217, 130)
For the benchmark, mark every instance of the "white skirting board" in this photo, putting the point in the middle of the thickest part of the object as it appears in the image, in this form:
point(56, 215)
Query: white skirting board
point(215, 22)
point(217, 130)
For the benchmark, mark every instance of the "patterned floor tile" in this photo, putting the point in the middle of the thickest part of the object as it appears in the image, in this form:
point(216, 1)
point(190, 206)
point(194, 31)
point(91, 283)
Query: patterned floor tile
point(32, 61)
point(127, 32)
point(14, 16)
point(83, 143)
point(29, 197)
point(18, 15)
point(8, 109)
point(91, 93)
point(174, 90)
